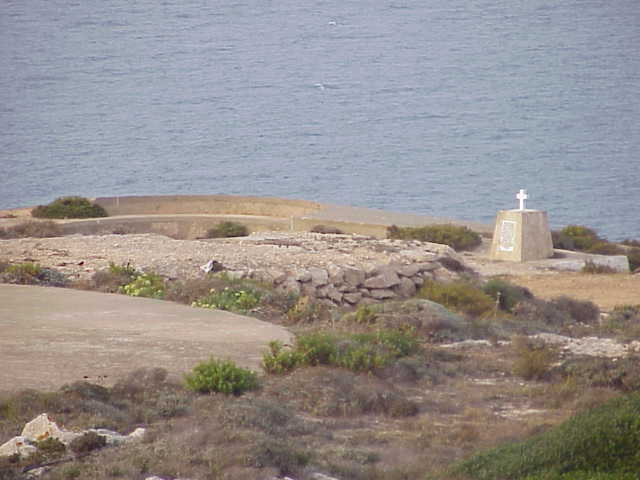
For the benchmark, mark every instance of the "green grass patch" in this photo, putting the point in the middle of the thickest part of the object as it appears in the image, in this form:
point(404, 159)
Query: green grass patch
point(598, 443)
point(459, 295)
point(360, 352)
point(457, 237)
point(69, 207)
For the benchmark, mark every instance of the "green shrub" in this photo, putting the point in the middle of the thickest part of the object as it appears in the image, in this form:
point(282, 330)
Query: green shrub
point(362, 352)
point(69, 207)
point(583, 238)
point(457, 237)
point(596, 268)
point(36, 229)
point(459, 295)
point(227, 229)
point(317, 348)
point(222, 376)
point(505, 293)
point(148, 285)
point(88, 442)
point(26, 273)
point(279, 360)
point(598, 443)
point(230, 298)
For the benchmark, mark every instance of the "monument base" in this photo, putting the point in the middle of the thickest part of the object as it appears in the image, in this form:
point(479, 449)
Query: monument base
point(521, 236)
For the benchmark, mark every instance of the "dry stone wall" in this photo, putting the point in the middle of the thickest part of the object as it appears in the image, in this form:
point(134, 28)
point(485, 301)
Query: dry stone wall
point(336, 269)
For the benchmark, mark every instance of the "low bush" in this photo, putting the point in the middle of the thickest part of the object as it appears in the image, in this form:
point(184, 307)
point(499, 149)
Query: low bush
point(279, 360)
point(576, 237)
point(51, 448)
point(533, 359)
point(227, 229)
point(115, 277)
point(623, 319)
point(326, 229)
point(230, 298)
point(505, 293)
point(363, 352)
point(605, 248)
point(457, 237)
point(596, 268)
point(88, 442)
point(148, 285)
point(36, 229)
point(600, 443)
point(579, 310)
point(222, 376)
point(69, 207)
point(621, 374)
point(29, 273)
point(458, 295)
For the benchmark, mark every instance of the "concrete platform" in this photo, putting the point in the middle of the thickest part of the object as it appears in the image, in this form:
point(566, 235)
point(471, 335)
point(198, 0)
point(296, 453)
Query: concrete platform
point(53, 336)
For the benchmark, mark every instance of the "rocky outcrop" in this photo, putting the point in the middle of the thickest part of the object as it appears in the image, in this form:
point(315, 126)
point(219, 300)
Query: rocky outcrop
point(42, 428)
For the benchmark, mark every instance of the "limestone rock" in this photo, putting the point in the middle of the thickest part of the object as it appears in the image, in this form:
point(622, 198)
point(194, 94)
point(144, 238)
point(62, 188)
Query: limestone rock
point(17, 446)
point(428, 266)
point(302, 276)
point(410, 270)
point(319, 276)
point(382, 293)
point(353, 276)
point(334, 294)
point(42, 427)
point(115, 438)
point(290, 285)
point(352, 298)
point(388, 278)
point(406, 288)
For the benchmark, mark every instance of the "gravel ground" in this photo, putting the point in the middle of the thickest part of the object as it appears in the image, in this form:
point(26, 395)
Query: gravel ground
point(80, 256)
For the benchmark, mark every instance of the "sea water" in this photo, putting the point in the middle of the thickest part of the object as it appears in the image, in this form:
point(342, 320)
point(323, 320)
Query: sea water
point(441, 107)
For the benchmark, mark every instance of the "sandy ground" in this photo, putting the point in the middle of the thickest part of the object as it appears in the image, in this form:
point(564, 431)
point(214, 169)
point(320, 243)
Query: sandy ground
point(52, 336)
point(606, 291)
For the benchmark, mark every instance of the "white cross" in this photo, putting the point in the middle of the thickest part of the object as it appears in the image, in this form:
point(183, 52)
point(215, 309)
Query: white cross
point(522, 196)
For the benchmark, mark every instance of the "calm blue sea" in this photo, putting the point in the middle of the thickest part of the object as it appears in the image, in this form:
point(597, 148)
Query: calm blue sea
point(441, 107)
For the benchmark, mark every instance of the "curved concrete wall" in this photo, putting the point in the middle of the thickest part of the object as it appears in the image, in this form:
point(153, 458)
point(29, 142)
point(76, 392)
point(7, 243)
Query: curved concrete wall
point(206, 204)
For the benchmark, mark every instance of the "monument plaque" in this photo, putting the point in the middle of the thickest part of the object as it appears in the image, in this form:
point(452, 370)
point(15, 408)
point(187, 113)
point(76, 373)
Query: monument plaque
point(507, 236)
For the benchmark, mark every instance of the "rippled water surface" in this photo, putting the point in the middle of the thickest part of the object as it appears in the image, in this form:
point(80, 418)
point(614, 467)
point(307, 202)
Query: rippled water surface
point(439, 107)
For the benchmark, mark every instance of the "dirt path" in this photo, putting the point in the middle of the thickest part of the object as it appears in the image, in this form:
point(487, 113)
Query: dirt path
point(53, 336)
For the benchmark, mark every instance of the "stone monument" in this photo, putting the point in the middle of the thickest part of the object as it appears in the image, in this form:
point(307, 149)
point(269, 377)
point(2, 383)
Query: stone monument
point(521, 234)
